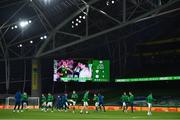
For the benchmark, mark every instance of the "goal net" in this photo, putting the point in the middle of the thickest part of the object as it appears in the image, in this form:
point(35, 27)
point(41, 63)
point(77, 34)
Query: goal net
point(33, 102)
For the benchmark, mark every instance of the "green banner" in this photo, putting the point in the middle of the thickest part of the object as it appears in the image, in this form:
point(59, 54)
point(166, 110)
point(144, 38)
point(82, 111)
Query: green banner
point(148, 79)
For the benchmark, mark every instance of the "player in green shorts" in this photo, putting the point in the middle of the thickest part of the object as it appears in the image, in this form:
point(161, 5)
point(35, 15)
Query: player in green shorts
point(85, 102)
point(149, 100)
point(96, 102)
point(43, 102)
point(24, 101)
point(50, 100)
point(74, 98)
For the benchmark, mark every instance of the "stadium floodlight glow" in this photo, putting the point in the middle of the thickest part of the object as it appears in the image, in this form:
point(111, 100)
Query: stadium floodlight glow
point(79, 21)
point(45, 37)
point(31, 42)
point(23, 24)
point(14, 27)
point(20, 45)
point(41, 38)
point(29, 21)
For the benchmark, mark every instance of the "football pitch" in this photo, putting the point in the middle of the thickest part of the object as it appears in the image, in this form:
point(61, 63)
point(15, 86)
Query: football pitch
point(108, 115)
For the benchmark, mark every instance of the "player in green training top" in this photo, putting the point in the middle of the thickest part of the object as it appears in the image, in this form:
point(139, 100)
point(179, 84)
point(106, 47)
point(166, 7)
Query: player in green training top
point(85, 102)
point(96, 101)
point(24, 101)
point(74, 98)
point(124, 99)
point(149, 100)
point(50, 100)
point(131, 101)
point(43, 102)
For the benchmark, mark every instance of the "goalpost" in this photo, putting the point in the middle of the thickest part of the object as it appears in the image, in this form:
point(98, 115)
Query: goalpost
point(33, 103)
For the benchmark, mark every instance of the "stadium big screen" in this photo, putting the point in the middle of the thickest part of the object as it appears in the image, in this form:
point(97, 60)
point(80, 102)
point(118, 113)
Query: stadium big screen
point(81, 70)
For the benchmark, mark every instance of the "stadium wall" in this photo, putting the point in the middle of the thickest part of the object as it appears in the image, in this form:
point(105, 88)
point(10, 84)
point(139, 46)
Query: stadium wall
point(156, 109)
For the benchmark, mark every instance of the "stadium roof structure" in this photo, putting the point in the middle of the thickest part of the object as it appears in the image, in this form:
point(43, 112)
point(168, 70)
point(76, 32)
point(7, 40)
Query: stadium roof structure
point(126, 32)
point(37, 28)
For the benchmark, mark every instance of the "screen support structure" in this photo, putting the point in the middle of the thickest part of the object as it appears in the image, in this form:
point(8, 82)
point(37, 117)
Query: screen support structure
point(36, 78)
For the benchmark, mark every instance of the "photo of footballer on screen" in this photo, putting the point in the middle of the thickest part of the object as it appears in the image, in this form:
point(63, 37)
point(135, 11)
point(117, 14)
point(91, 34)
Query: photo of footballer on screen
point(69, 69)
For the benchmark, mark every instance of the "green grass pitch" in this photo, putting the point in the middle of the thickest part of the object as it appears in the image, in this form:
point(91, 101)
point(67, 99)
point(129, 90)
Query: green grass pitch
point(108, 115)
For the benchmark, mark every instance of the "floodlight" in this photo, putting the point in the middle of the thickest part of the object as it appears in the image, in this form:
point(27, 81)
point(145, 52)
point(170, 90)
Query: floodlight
point(23, 23)
point(45, 36)
point(29, 21)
